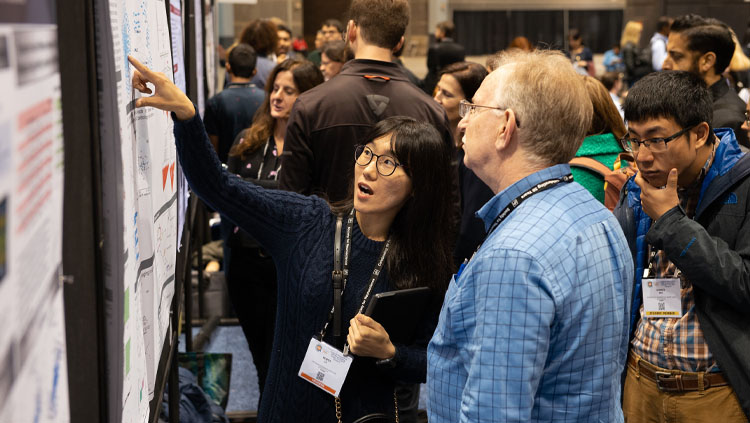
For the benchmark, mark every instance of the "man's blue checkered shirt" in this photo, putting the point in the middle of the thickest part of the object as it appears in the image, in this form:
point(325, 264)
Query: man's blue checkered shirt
point(535, 328)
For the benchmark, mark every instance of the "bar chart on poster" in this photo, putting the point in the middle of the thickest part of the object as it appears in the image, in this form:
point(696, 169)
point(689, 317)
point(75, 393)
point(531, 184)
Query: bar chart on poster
point(139, 202)
point(33, 361)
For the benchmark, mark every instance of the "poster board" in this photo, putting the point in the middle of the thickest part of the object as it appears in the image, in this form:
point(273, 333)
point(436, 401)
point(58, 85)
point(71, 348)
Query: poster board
point(33, 361)
point(139, 202)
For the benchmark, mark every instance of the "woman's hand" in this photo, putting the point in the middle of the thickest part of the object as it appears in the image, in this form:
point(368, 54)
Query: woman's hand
point(166, 96)
point(367, 338)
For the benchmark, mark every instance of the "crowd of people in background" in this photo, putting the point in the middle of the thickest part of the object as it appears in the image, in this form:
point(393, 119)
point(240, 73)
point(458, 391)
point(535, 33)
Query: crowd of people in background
point(595, 223)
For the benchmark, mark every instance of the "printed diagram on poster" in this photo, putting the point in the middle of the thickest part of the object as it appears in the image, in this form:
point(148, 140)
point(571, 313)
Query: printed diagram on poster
point(138, 156)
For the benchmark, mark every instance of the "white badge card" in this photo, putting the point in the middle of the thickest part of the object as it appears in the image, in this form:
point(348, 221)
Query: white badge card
point(325, 367)
point(661, 297)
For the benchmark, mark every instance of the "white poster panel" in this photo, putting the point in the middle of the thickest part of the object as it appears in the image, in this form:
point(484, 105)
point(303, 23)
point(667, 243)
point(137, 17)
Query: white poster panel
point(178, 44)
point(178, 67)
point(211, 56)
point(33, 363)
point(200, 63)
point(139, 200)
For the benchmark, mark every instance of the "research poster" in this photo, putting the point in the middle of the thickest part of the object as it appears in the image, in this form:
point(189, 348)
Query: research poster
point(176, 22)
point(33, 361)
point(139, 172)
point(199, 53)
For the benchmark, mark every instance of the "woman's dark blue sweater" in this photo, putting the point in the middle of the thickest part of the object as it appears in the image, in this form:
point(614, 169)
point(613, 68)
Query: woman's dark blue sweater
point(298, 232)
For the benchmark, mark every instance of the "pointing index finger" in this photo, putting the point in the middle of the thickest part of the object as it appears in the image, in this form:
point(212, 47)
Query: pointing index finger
point(145, 71)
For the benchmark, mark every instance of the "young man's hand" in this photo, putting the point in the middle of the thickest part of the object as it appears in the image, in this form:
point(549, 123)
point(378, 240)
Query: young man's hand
point(657, 201)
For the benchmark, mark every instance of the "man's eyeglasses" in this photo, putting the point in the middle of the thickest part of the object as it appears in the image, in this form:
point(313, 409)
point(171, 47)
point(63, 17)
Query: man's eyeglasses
point(384, 164)
point(655, 145)
point(465, 108)
point(747, 118)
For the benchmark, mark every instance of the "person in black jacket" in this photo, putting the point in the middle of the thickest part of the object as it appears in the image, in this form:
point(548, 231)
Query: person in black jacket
point(329, 120)
point(685, 215)
point(636, 60)
point(441, 54)
point(704, 47)
point(458, 83)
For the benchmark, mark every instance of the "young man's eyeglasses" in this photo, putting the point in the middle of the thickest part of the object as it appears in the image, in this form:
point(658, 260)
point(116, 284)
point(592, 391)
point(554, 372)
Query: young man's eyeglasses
point(466, 108)
point(384, 164)
point(655, 145)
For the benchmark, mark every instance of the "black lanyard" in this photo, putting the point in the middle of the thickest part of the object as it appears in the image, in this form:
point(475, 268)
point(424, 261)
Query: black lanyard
point(536, 189)
point(339, 280)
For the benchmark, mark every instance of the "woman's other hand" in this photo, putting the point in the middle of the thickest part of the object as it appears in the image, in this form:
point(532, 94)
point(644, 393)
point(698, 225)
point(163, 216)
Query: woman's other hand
point(367, 338)
point(166, 94)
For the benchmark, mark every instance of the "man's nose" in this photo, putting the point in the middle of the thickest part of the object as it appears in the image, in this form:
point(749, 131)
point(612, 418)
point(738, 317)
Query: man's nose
point(463, 123)
point(644, 155)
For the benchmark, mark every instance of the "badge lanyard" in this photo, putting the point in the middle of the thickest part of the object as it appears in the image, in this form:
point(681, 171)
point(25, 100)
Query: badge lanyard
point(324, 365)
point(263, 163)
point(541, 186)
point(345, 273)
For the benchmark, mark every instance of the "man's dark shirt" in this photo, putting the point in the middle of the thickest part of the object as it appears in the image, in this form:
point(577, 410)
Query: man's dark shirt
point(330, 119)
point(439, 56)
point(729, 110)
point(230, 111)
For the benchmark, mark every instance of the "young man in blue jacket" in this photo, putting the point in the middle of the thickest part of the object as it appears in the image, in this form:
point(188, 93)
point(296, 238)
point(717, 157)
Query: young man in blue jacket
point(685, 216)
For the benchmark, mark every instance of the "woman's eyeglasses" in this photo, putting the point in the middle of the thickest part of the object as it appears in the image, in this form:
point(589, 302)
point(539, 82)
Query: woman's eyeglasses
point(384, 164)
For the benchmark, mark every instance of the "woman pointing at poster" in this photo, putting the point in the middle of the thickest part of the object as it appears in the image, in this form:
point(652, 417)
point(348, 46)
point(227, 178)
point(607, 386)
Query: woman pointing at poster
point(395, 232)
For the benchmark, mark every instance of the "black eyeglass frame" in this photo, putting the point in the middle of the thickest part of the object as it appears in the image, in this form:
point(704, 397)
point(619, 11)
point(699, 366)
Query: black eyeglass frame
point(627, 143)
point(468, 107)
point(359, 149)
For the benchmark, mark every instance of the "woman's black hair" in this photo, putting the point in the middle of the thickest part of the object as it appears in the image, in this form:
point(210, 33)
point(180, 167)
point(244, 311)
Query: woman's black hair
point(469, 76)
point(423, 232)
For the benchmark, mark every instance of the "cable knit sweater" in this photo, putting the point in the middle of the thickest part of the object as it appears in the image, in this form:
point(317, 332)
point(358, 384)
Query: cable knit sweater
point(298, 232)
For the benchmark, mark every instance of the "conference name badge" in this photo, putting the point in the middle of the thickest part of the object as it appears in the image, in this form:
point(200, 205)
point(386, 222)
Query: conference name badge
point(661, 297)
point(325, 367)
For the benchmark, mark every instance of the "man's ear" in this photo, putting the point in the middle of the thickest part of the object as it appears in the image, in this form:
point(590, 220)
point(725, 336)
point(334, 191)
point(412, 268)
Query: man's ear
point(506, 130)
point(706, 62)
point(351, 31)
point(399, 45)
point(227, 67)
point(703, 133)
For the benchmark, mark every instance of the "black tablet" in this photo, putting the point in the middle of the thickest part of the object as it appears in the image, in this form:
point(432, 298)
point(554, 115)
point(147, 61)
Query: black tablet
point(400, 312)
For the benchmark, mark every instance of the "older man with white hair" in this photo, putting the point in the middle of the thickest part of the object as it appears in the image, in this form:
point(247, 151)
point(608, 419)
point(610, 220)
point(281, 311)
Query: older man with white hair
point(534, 327)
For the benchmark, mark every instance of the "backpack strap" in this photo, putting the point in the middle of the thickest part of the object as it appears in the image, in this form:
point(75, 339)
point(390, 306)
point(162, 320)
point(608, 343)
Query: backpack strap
point(591, 164)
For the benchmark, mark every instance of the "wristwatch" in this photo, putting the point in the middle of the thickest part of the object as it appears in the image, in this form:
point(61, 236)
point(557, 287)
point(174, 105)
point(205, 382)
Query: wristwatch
point(387, 363)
